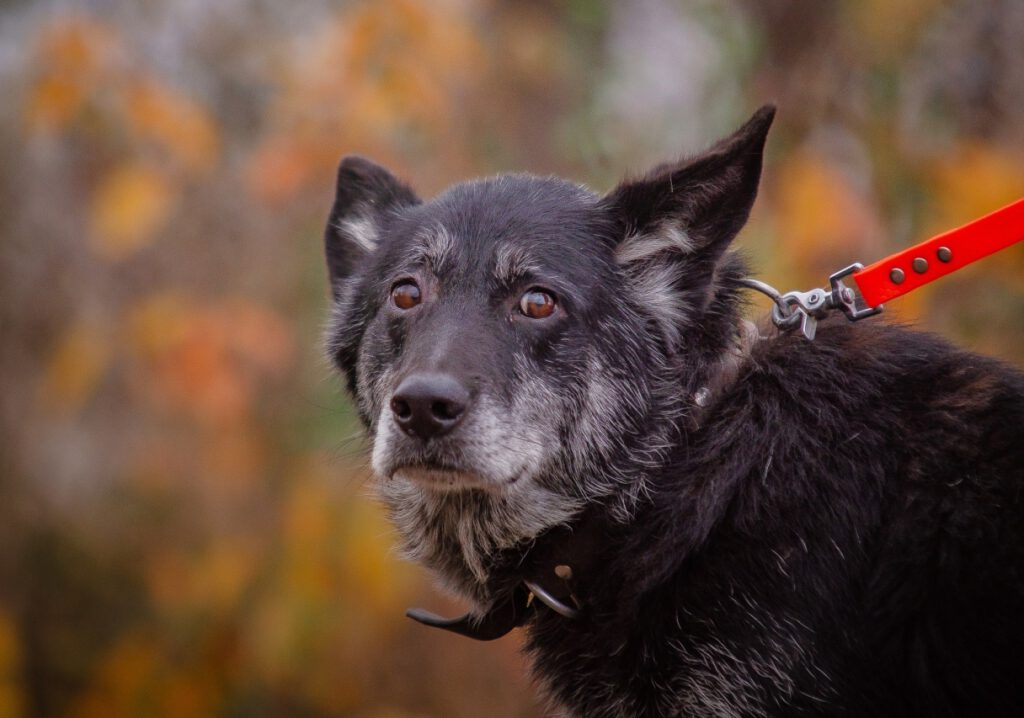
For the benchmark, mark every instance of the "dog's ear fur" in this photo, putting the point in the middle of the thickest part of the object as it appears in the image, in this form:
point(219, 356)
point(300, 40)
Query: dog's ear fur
point(678, 220)
point(365, 193)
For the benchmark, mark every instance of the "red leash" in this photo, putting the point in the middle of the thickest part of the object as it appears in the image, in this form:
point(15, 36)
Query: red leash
point(905, 271)
point(898, 273)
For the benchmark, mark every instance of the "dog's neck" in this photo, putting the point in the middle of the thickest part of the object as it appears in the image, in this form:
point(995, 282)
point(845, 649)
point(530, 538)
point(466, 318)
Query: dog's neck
point(556, 570)
point(723, 373)
point(554, 574)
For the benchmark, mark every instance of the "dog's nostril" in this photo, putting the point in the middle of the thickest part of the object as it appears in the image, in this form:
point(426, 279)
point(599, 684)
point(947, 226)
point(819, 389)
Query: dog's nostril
point(446, 411)
point(429, 405)
point(401, 408)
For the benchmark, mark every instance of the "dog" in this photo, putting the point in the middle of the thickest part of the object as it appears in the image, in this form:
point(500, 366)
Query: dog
point(574, 429)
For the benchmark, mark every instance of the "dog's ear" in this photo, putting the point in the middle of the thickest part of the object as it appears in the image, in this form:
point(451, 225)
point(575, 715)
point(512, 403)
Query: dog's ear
point(678, 220)
point(365, 193)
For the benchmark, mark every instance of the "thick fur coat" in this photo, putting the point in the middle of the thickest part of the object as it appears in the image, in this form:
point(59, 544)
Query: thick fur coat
point(785, 527)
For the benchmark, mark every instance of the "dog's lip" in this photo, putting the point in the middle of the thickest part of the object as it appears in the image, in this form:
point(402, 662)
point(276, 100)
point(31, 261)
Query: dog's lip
point(430, 465)
point(444, 477)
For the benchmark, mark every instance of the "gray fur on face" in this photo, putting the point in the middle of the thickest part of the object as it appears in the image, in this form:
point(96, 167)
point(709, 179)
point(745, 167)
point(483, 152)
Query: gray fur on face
point(504, 492)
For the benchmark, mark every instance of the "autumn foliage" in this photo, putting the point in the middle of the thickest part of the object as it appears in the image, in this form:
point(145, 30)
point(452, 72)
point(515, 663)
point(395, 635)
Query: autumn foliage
point(184, 525)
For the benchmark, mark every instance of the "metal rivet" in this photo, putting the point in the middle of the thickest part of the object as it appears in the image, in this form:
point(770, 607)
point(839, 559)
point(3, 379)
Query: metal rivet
point(920, 265)
point(847, 295)
point(702, 396)
point(897, 276)
point(563, 572)
point(944, 254)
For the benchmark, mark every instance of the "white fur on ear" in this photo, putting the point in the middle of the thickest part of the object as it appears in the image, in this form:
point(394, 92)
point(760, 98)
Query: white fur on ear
point(360, 230)
point(654, 281)
point(638, 247)
point(655, 289)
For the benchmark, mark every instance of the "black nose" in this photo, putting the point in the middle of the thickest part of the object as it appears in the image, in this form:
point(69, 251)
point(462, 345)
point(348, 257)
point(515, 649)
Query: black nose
point(429, 405)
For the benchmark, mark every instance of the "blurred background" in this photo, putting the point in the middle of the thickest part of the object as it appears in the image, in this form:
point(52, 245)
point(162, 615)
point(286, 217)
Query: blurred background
point(185, 528)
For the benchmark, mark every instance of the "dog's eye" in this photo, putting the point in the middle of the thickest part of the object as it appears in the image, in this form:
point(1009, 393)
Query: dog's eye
point(537, 304)
point(406, 294)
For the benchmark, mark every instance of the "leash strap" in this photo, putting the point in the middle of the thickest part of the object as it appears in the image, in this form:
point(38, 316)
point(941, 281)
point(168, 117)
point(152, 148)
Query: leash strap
point(905, 271)
point(860, 291)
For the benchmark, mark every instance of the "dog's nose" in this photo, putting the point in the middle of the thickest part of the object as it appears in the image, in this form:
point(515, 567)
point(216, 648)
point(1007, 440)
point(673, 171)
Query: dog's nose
point(429, 405)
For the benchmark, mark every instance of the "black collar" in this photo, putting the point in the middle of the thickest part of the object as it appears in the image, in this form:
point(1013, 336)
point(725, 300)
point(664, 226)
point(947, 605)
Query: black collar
point(553, 572)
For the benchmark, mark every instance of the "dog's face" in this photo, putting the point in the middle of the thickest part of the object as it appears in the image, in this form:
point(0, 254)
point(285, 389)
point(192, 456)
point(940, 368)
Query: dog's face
point(512, 342)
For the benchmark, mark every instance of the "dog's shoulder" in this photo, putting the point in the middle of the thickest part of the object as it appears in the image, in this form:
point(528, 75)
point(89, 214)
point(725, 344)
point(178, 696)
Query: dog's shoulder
point(865, 416)
point(889, 368)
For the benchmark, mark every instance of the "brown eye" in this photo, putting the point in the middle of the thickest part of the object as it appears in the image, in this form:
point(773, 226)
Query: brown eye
point(405, 294)
point(537, 304)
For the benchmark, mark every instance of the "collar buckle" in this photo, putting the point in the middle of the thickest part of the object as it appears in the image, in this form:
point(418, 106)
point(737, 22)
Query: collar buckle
point(550, 601)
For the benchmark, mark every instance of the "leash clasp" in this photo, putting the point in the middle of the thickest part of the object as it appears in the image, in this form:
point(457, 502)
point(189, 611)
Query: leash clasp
point(804, 309)
point(848, 297)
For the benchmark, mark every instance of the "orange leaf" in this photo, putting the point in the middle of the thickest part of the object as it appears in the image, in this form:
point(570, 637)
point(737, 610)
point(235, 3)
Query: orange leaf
point(278, 169)
point(975, 180)
point(71, 57)
point(52, 102)
point(824, 222)
point(177, 123)
point(12, 703)
point(128, 208)
point(74, 368)
point(76, 45)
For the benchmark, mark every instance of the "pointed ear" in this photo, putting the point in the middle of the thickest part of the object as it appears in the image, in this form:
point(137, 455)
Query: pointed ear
point(678, 220)
point(705, 200)
point(365, 193)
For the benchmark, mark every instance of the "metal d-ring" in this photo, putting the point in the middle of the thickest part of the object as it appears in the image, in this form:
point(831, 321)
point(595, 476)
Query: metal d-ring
point(784, 315)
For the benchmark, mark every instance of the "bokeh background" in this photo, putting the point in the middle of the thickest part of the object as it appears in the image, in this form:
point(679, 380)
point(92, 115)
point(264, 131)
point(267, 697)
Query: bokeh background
point(184, 521)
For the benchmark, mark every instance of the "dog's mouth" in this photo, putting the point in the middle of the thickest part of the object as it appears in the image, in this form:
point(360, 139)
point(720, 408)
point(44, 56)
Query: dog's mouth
point(477, 458)
point(439, 476)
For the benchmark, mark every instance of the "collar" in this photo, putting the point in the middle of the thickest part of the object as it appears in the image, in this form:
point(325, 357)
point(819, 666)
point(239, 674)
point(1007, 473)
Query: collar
point(552, 575)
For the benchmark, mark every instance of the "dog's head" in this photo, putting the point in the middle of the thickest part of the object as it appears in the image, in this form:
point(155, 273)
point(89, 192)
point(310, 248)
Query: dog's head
point(518, 346)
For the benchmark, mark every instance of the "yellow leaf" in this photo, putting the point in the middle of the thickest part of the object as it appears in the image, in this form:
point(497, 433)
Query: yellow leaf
point(187, 693)
point(176, 122)
point(74, 368)
point(131, 204)
point(889, 28)
point(823, 220)
point(122, 680)
point(12, 703)
point(973, 181)
point(307, 518)
point(223, 573)
point(369, 561)
point(157, 323)
point(70, 59)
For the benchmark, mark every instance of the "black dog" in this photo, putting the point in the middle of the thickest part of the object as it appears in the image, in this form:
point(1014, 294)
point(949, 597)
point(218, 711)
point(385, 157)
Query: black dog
point(573, 429)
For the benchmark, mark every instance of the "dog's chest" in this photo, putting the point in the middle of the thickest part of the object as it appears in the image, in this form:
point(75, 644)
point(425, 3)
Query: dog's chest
point(661, 669)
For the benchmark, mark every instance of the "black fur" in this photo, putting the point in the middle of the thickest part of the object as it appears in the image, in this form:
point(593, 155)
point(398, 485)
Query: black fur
point(840, 532)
